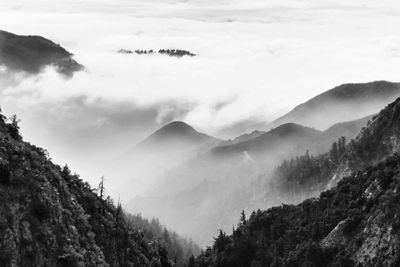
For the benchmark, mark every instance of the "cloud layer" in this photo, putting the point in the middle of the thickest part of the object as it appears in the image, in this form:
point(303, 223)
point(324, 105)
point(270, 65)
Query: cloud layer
point(255, 61)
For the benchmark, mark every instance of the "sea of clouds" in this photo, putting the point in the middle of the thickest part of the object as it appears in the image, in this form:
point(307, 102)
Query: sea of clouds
point(255, 60)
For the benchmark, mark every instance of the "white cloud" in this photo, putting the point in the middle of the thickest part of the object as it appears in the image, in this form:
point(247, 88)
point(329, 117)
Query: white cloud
point(258, 58)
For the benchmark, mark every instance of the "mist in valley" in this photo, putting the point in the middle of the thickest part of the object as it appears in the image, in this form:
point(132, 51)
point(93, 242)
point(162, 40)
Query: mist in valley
point(196, 175)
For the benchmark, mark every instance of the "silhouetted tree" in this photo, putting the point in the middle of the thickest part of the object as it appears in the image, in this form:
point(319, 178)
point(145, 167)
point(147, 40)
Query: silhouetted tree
point(13, 127)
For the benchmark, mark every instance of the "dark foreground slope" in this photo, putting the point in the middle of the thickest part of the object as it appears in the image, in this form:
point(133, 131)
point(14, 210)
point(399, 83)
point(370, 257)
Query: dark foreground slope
point(49, 217)
point(32, 53)
point(356, 222)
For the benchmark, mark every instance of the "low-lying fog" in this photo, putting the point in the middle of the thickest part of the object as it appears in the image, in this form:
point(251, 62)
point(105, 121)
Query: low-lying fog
point(255, 61)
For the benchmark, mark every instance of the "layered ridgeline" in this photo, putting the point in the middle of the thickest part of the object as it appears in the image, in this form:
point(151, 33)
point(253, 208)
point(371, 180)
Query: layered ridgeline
point(356, 222)
point(350, 101)
point(50, 217)
point(30, 54)
point(206, 189)
point(221, 182)
point(199, 195)
point(145, 164)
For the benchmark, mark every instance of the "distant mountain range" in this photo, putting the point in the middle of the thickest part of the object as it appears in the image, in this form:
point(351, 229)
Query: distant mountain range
point(348, 129)
point(331, 146)
point(223, 166)
point(343, 103)
point(224, 179)
point(242, 138)
point(353, 224)
point(289, 135)
point(31, 54)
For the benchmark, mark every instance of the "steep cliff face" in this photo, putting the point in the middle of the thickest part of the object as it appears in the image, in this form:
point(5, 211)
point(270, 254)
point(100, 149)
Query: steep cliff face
point(49, 217)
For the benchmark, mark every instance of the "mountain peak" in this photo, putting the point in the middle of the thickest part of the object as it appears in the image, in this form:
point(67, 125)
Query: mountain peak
point(351, 101)
point(178, 125)
point(177, 131)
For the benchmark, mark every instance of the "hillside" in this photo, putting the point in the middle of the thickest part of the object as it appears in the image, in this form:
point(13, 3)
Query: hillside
point(204, 192)
point(350, 101)
point(148, 162)
point(242, 138)
point(31, 54)
point(353, 223)
point(282, 140)
point(180, 249)
point(356, 223)
point(348, 129)
point(50, 217)
point(307, 174)
point(208, 191)
point(176, 132)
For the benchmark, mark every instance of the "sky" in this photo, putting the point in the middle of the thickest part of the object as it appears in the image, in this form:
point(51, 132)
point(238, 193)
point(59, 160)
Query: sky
point(256, 60)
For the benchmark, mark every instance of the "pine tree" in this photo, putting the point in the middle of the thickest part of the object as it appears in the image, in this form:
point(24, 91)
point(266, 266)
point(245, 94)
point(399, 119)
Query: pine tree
point(243, 219)
point(13, 127)
point(101, 193)
point(191, 262)
point(334, 152)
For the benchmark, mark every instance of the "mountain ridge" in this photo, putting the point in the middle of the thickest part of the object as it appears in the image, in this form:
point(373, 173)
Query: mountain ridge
point(287, 130)
point(332, 106)
point(174, 131)
point(32, 53)
point(50, 217)
point(353, 223)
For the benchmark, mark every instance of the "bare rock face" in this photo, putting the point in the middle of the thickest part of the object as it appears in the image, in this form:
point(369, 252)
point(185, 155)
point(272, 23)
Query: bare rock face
point(379, 245)
point(335, 238)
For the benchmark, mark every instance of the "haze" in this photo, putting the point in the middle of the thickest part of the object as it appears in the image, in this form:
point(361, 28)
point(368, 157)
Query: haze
point(255, 61)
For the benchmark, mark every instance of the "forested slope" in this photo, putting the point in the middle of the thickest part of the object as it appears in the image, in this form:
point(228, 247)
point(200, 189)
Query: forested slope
point(355, 222)
point(50, 217)
point(31, 54)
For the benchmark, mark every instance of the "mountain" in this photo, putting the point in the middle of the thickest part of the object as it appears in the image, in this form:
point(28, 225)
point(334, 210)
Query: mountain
point(31, 54)
point(353, 224)
point(174, 133)
point(174, 141)
point(148, 161)
point(242, 138)
point(315, 141)
point(204, 193)
point(347, 101)
point(50, 217)
point(284, 140)
point(229, 178)
point(348, 129)
point(308, 175)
